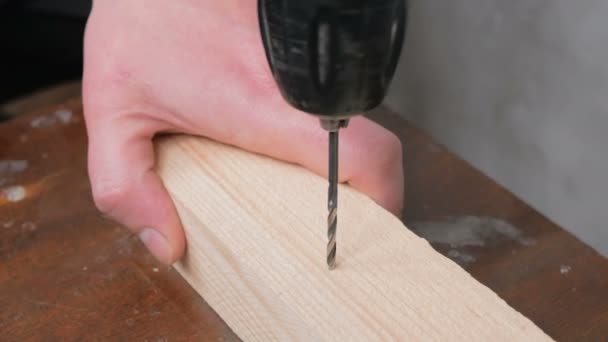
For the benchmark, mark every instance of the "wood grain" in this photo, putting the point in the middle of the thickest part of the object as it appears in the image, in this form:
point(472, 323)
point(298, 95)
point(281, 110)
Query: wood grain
point(256, 244)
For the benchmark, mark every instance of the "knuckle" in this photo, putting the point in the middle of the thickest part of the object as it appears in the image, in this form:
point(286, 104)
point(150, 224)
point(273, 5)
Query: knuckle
point(388, 150)
point(109, 196)
point(390, 172)
point(394, 144)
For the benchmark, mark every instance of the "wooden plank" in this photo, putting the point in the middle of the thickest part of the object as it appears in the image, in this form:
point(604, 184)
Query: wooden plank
point(256, 244)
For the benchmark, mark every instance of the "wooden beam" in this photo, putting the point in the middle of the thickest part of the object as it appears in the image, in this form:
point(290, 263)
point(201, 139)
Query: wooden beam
point(256, 253)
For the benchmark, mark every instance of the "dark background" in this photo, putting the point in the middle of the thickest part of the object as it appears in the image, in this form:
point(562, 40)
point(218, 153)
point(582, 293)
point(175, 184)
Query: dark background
point(40, 44)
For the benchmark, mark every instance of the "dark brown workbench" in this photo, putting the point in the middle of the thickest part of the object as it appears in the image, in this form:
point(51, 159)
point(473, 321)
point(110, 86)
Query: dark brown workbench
point(67, 273)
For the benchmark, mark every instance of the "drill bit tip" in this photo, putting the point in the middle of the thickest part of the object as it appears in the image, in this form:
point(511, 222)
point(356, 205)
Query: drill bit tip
point(331, 236)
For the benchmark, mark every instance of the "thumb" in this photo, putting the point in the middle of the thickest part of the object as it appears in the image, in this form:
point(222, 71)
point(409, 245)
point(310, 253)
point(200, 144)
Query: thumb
point(125, 186)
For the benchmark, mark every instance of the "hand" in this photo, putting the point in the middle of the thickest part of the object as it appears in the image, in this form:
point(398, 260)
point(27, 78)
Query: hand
point(198, 67)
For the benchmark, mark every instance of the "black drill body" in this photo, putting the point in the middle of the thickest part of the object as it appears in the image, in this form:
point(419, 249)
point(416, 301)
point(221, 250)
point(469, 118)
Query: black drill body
point(333, 58)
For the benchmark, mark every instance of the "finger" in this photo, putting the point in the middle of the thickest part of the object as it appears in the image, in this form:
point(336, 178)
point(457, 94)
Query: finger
point(374, 163)
point(125, 186)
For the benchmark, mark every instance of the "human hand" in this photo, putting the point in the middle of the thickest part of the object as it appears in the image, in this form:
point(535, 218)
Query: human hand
point(198, 67)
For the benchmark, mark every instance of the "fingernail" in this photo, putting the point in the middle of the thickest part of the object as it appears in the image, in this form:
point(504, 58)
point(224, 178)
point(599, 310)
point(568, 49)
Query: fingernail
point(157, 244)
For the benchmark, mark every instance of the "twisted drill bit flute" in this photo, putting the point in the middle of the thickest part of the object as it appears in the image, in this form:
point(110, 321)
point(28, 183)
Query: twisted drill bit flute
point(332, 199)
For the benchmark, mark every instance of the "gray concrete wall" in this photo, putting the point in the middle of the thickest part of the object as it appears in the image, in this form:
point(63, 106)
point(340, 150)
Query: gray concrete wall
point(520, 89)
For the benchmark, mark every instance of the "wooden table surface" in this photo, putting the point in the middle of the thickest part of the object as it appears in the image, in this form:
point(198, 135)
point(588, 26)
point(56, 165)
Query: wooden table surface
point(68, 273)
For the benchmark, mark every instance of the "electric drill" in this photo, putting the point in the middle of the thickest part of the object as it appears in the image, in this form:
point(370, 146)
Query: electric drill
point(333, 59)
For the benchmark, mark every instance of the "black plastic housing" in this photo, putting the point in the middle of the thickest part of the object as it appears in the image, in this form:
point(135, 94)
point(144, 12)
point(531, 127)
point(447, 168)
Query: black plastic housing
point(333, 58)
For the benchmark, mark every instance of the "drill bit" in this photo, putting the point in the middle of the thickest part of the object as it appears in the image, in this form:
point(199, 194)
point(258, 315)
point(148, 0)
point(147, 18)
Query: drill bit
point(332, 199)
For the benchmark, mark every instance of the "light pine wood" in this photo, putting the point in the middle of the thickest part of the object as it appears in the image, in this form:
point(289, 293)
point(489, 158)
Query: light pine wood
point(256, 235)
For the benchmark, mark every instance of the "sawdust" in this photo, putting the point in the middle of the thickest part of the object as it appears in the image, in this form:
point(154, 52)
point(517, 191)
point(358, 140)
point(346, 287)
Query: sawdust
point(15, 193)
point(60, 116)
point(13, 166)
point(461, 233)
point(469, 231)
